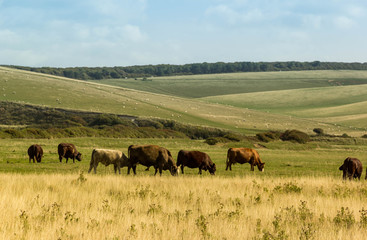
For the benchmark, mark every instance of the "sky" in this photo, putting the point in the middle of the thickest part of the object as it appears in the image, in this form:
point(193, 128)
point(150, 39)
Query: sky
point(97, 33)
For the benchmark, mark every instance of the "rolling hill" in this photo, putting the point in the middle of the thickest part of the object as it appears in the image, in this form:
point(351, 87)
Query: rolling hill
point(175, 98)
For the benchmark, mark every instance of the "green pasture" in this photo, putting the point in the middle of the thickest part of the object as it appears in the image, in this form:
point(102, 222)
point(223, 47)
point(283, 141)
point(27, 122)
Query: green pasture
point(39, 89)
point(283, 159)
point(266, 101)
point(197, 86)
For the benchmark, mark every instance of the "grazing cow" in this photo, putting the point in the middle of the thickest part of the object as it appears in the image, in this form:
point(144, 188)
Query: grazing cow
point(68, 150)
point(351, 167)
point(244, 155)
point(151, 155)
point(35, 151)
point(195, 159)
point(107, 157)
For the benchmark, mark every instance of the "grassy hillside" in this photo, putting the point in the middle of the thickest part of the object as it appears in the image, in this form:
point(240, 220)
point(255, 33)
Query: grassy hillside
point(343, 105)
point(51, 91)
point(196, 86)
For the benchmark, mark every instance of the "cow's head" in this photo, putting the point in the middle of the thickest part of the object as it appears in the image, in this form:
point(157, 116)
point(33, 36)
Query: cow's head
point(261, 166)
point(79, 156)
point(212, 169)
point(174, 170)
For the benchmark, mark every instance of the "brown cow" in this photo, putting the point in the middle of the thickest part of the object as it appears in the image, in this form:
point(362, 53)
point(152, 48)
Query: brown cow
point(35, 151)
point(151, 155)
point(351, 167)
point(68, 150)
point(195, 159)
point(244, 155)
point(107, 157)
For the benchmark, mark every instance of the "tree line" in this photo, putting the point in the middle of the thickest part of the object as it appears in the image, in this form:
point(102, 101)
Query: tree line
point(97, 73)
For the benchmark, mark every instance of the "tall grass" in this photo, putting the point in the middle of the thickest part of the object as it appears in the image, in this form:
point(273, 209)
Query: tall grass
point(78, 206)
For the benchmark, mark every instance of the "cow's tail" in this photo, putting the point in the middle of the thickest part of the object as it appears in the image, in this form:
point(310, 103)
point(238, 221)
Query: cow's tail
point(129, 150)
point(179, 160)
point(227, 160)
point(92, 157)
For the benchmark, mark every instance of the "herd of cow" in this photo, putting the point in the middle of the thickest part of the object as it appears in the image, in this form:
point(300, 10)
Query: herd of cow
point(152, 155)
point(161, 159)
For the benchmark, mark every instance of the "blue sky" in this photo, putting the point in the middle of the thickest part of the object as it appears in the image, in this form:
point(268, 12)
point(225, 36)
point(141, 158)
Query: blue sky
point(137, 32)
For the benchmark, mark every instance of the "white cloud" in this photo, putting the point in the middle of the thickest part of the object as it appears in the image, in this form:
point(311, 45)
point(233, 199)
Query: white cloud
point(232, 16)
point(356, 11)
point(313, 21)
point(133, 33)
point(344, 22)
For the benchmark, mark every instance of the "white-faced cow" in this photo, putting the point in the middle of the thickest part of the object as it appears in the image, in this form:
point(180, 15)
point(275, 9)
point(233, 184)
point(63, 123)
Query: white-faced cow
point(107, 157)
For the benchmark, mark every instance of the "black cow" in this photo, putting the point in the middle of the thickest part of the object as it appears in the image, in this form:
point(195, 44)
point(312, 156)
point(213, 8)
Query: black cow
point(35, 151)
point(195, 159)
point(151, 155)
point(68, 150)
point(351, 167)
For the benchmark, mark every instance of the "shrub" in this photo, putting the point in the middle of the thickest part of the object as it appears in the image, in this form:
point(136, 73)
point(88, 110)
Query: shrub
point(295, 136)
point(233, 137)
point(106, 119)
point(211, 141)
point(268, 136)
point(345, 135)
point(318, 131)
point(344, 218)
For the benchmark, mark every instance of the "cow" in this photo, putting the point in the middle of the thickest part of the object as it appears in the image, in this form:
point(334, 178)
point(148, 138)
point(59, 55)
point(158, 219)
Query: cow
point(151, 155)
point(195, 159)
point(35, 151)
point(68, 150)
point(107, 157)
point(244, 155)
point(351, 167)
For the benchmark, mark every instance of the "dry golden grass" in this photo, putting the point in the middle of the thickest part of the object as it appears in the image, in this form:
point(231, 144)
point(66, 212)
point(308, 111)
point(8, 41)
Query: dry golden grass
point(81, 206)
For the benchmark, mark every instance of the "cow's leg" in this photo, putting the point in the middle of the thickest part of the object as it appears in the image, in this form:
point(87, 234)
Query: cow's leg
point(200, 170)
point(90, 167)
point(156, 170)
point(128, 169)
point(160, 170)
point(182, 169)
point(350, 176)
point(73, 159)
point(118, 166)
point(29, 159)
point(227, 166)
point(115, 168)
point(252, 167)
point(134, 169)
point(67, 159)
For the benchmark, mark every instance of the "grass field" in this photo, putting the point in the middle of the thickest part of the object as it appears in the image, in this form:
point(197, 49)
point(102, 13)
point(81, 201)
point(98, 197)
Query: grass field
point(198, 86)
point(283, 159)
point(39, 89)
point(72, 206)
point(300, 195)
